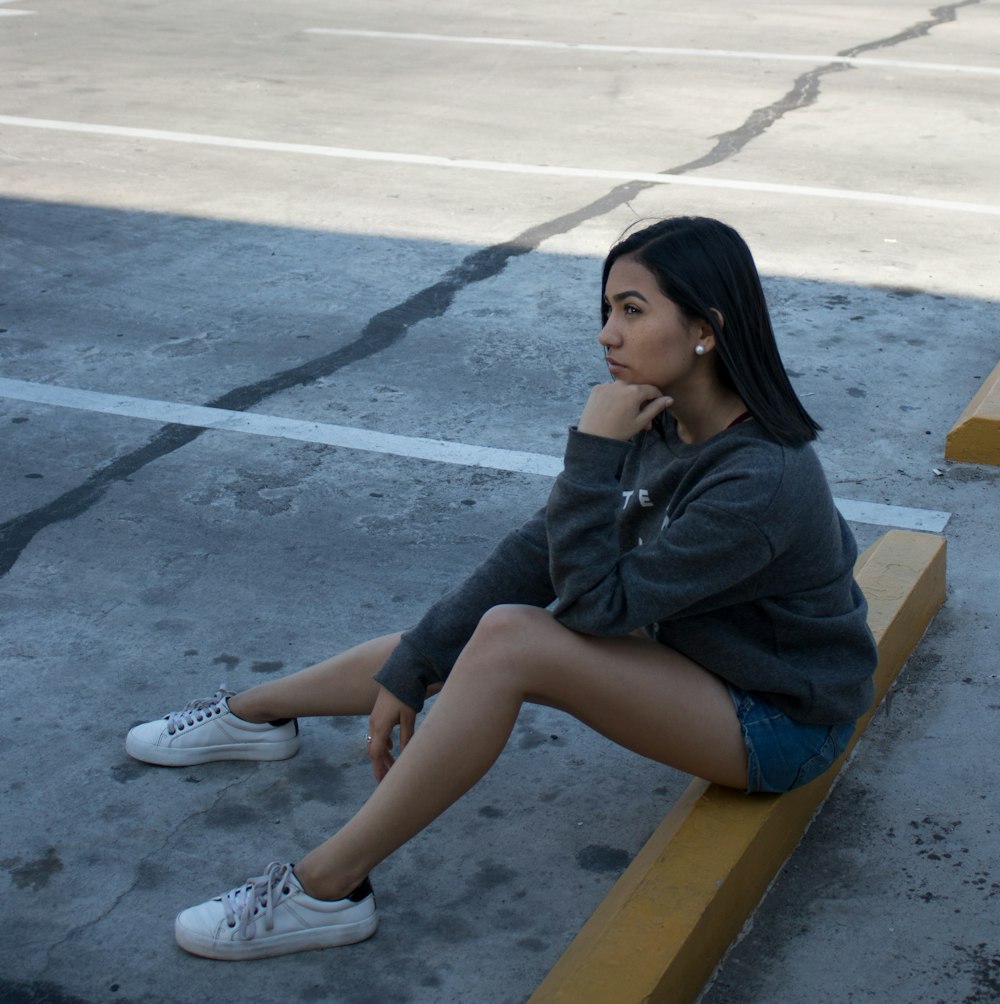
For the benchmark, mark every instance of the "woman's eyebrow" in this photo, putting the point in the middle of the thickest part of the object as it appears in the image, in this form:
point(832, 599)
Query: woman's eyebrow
point(618, 297)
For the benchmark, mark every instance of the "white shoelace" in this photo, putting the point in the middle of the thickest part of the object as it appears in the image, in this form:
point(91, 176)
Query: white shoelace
point(198, 710)
point(243, 904)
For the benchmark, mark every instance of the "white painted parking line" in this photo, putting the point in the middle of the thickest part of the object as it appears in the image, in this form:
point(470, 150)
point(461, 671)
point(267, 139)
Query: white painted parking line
point(899, 517)
point(426, 160)
point(255, 424)
point(658, 50)
point(437, 450)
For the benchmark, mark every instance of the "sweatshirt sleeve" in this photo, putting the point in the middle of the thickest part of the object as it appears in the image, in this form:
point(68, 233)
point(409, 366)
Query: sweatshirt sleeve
point(516, 572)
point(704, 558)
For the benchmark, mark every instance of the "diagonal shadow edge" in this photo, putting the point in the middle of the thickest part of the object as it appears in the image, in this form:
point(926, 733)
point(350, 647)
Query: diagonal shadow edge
point(380, 333)
point(387, 328)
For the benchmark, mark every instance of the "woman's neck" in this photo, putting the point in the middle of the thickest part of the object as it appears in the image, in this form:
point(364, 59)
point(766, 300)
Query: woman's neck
point(706, 416)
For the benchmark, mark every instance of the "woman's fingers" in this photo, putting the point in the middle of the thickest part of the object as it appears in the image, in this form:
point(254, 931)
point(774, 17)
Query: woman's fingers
point(407, 723)
point(380, 726)
point(382, 764)
point(653, 408)
point(620, 410)
point(388, 712)
point(380, 754)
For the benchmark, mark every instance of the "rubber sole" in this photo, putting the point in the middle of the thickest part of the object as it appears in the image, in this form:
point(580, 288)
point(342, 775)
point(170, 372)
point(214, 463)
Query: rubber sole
point(269, 946)
point(166, 756)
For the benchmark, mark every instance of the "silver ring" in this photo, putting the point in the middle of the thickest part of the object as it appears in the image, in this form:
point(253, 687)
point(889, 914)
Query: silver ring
point(368, 739)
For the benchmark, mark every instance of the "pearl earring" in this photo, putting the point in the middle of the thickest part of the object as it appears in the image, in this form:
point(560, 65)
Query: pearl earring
point(699, 350)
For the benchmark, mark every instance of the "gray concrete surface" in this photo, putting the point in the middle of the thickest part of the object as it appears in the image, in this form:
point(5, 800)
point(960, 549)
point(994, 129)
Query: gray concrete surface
point(143, 564)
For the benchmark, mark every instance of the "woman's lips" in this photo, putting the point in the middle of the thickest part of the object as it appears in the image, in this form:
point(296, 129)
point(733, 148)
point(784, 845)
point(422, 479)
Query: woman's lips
point(613, 365)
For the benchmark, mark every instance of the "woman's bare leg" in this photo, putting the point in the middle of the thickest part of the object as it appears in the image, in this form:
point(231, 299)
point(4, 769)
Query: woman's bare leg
point(342, 685)
point(641, 695)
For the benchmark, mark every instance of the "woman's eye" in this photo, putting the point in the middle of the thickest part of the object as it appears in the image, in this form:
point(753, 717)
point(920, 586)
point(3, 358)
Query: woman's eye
point(631, 308)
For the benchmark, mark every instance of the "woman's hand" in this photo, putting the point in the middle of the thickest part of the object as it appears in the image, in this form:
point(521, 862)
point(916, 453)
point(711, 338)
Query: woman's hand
point(622, 410)
point(389, 711)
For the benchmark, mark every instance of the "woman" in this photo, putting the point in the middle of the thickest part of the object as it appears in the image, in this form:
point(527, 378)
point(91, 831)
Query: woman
point(687, 591)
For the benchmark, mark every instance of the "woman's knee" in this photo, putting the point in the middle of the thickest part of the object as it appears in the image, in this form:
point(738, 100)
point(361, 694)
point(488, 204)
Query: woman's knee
point(510, 633)
point(511, 625)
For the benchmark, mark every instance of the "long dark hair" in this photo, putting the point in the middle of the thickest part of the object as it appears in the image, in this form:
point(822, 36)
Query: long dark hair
point(703, 266)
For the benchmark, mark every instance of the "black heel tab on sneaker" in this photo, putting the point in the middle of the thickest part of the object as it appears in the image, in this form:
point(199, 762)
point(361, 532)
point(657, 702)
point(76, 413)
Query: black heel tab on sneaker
point(278, 722)
point(363, 891)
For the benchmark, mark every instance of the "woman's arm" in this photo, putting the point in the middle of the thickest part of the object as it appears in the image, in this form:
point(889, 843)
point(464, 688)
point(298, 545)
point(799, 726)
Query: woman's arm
point(708, 555)
point(516, 572)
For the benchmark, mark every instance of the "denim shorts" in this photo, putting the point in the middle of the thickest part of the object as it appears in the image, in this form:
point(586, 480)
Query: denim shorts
point(782, 753)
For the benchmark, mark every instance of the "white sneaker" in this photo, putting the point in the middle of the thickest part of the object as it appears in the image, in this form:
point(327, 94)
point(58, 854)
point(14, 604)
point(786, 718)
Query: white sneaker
point(207, 730)
point(271, 915)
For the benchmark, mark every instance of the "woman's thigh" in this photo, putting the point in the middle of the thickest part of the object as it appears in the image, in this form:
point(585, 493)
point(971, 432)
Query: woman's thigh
point(640, 694)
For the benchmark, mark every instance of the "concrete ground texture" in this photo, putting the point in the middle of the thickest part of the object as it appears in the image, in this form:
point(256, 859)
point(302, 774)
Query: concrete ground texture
point(279, 280)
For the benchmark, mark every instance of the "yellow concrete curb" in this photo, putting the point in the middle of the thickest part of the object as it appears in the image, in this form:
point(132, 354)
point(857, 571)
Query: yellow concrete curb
point(663, 928)
point(975, 437)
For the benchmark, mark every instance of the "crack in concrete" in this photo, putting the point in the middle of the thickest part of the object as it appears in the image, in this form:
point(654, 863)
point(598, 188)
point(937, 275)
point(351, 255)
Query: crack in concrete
point(939, 15)
point(152, 854)
point(390, 326)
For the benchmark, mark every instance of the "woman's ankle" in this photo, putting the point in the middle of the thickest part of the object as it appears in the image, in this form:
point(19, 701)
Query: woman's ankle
point(322, 887)
point(243, 708)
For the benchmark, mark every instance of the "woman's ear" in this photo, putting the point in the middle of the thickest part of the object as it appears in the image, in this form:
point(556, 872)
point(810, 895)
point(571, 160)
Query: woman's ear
point(706, 334)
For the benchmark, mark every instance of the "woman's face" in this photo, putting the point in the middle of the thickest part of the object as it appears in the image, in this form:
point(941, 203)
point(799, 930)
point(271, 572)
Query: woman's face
point(646, 338)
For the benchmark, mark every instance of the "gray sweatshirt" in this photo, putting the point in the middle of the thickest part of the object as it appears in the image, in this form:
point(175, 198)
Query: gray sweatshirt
point(730, 551)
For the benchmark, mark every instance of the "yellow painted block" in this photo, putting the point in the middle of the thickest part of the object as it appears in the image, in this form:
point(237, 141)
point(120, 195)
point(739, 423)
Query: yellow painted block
point(662, 929)
point(975, 437)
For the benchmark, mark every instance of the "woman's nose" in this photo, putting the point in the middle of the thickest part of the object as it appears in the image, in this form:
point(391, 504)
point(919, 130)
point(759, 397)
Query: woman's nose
point(608, 336)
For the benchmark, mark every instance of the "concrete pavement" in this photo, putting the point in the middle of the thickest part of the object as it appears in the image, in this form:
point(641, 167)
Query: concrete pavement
point(365, 285)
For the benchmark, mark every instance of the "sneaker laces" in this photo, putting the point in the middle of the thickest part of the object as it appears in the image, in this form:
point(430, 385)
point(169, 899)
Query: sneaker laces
point(243, 904)
point(199, 710)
